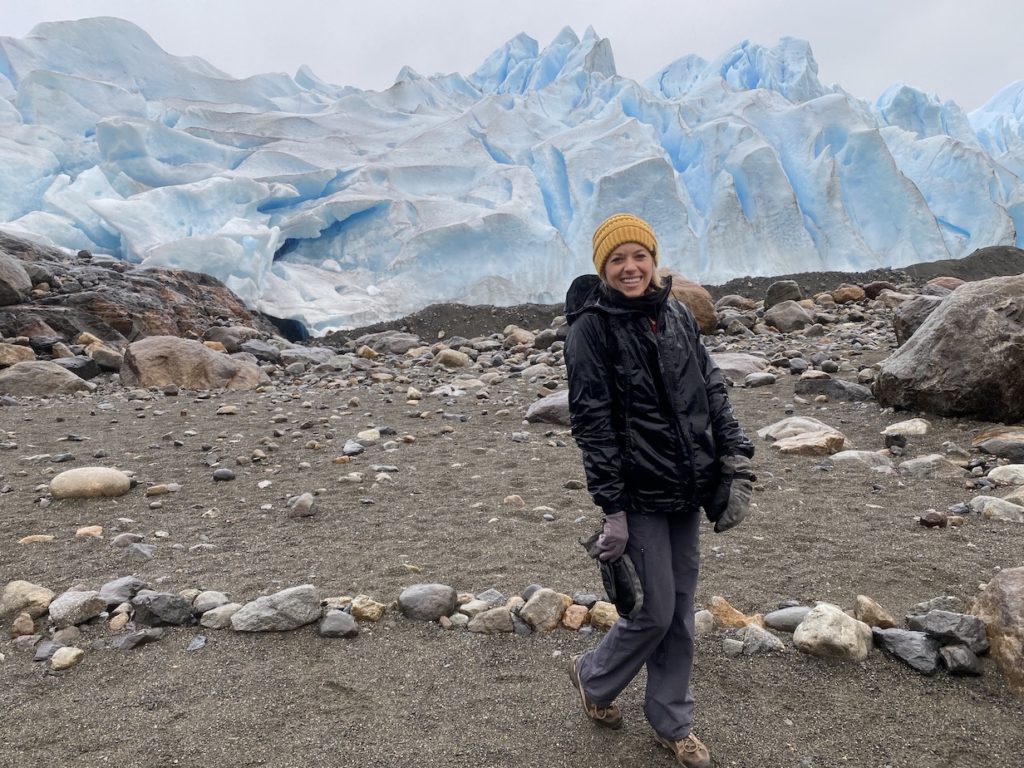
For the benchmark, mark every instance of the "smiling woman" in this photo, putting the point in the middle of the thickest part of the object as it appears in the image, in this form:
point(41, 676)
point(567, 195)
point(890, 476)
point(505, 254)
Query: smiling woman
point(650, 413)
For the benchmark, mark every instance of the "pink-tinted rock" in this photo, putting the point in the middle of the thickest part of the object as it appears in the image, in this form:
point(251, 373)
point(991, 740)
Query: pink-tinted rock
point(158, 361)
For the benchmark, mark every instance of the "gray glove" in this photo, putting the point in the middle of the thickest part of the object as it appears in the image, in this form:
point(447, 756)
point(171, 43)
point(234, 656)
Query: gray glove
point(614, 535)
point(731, 500)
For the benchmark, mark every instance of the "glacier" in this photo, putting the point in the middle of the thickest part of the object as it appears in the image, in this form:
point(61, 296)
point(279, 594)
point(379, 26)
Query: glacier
point(337, 207)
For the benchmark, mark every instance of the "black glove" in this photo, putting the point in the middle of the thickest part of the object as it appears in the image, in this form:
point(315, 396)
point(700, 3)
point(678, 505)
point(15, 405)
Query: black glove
point(731, 500)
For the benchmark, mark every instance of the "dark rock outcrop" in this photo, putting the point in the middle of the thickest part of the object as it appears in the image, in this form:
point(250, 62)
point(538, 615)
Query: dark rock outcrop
point(113, 300)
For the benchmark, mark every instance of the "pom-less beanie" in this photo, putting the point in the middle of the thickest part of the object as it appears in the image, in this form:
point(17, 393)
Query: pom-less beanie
point(618, 229)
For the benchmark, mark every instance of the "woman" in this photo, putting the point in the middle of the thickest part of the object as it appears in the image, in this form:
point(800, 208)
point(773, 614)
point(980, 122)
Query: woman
point(651, 415)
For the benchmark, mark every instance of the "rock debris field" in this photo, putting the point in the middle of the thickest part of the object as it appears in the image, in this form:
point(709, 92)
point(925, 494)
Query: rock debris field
point(368, 556)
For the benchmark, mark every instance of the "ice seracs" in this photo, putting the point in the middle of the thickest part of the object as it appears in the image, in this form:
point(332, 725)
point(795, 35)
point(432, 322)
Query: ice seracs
point(336, 207)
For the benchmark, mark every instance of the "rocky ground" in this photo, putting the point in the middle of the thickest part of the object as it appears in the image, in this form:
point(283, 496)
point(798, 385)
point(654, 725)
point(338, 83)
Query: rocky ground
point(459, 490)
point(411, 693)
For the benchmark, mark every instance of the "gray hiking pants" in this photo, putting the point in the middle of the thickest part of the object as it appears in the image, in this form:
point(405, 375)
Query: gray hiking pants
point(666, 552)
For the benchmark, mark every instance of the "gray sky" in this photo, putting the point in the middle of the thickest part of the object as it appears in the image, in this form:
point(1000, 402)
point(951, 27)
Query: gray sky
point(958, 50)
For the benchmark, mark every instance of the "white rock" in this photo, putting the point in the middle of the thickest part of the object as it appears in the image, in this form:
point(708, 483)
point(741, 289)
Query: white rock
point(828, 632)
point(1010, 474)
point(908, 427)
point(66, 657)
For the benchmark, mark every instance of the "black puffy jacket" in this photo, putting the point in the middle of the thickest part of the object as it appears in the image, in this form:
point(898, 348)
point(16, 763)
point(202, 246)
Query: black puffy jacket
point(649, 408)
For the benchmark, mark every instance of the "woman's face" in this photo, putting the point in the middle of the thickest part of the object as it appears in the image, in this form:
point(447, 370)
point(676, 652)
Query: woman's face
point(629, 269)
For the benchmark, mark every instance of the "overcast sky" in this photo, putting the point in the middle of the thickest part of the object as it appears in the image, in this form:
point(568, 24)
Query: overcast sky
point(964, 51)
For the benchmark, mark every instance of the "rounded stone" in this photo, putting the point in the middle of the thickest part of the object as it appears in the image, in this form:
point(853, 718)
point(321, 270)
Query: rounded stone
point(90, 483)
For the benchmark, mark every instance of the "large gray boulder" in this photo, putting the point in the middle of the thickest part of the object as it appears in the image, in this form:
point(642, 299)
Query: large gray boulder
point(966, 358)
point(911, 314)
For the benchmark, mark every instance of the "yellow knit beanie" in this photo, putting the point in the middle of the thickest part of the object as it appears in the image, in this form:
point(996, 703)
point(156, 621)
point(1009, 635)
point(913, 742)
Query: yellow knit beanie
point(618, 229)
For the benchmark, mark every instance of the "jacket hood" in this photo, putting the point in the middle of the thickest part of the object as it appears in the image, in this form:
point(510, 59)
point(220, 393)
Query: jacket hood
point(587, 293)
point(583, 293)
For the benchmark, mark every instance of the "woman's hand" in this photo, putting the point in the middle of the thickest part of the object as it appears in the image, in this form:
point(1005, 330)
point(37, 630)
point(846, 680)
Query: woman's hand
point(613, 538)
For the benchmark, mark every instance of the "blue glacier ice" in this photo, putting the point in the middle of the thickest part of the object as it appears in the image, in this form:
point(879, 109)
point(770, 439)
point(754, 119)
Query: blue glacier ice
point(338, 207)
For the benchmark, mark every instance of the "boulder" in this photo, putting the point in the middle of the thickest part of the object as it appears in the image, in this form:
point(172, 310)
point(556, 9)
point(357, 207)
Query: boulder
point(10, 354)
point(493, 621)
point(553, 409)
point(909, 315)
point(966, 358)
point(121, 590)
point(960, 660)
point(452, 358)
point(811, 444)
point(951, 628)
point(828, 632)
point(995, 508)
point(757, 640)
point(157, 608)
point(90, 483)
point(695, 298)
point(1005, 442)
point(24, 596)
point(786, 619)
point(738, 365)
point(160, 361)
point(14, 280)
point(83, 366)
point(543, 611)
point(220, 617)
point(427, 602)
point(603, 615)
point(780, 291)
point(871, 613)
point(207, 600)
point(106, 357)
point(1001, 606)
point(1008, 474)
point(338, 624)
point(847, 294)
point(788, 316)
point(947, 282)
point(834, 389)
point(41, 377)
point(390, 342)
point(916, 649)
point(74, 607)
point(282, 611)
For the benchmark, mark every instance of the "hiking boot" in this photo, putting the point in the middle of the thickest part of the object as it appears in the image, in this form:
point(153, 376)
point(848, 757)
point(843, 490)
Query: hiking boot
point(690, 751)
point(609, 717)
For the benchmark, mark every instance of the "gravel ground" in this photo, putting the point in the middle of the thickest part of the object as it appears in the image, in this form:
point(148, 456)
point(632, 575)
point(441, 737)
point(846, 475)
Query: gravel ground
point(407, 693)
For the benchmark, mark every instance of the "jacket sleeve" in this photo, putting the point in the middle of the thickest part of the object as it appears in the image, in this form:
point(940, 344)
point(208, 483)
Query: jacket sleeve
point(591, 410)
point(729, 437)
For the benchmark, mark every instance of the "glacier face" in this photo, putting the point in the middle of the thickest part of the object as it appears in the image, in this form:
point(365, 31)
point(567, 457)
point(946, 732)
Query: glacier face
point(338, 207)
